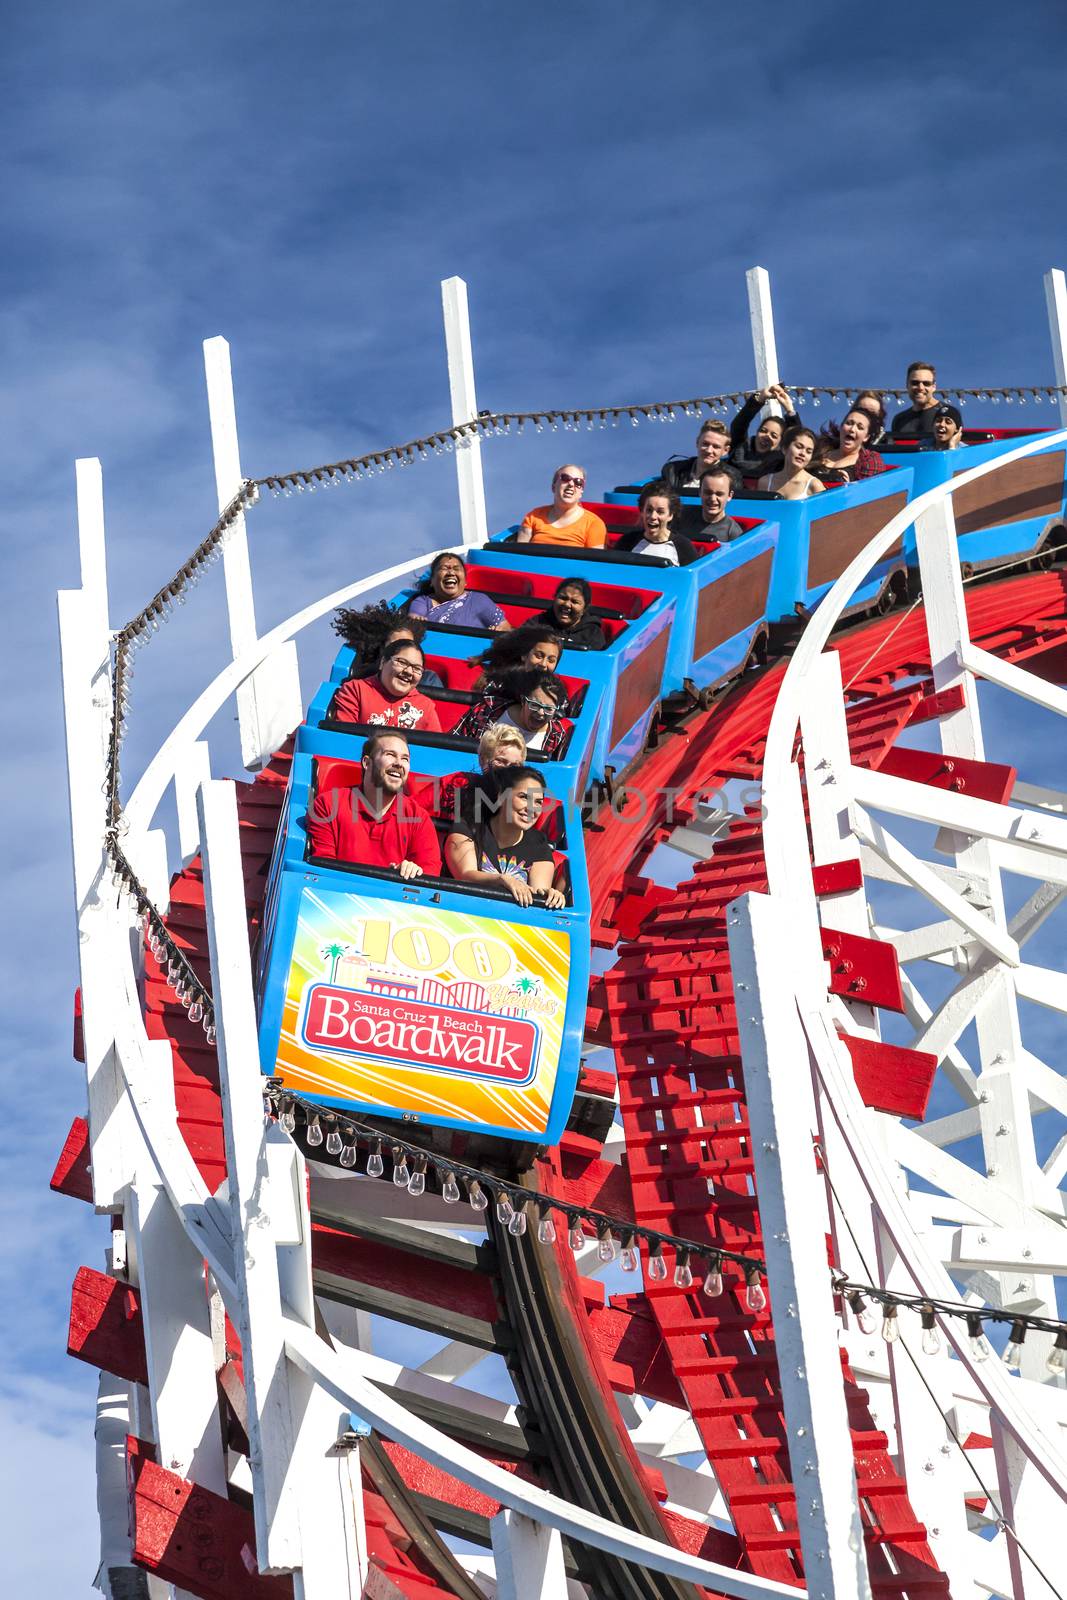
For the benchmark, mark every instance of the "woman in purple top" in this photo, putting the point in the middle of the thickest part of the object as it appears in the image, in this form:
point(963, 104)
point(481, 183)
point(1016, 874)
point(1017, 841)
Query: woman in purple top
point(449, 600)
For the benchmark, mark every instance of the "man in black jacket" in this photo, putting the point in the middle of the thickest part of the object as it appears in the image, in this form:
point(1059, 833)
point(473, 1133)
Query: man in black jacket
point(683, 472)
point(917, 422)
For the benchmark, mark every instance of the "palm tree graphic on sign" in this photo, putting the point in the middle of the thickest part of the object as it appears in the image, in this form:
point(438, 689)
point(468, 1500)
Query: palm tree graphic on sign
point(333, 954)
point(526, 986)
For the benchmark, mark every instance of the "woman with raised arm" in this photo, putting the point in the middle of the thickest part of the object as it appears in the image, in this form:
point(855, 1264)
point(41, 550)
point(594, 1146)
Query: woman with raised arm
point(794, 481)
point(503, 849)
point(446, 598)
point(851, 458)
point(763, 452)
point(658, 505)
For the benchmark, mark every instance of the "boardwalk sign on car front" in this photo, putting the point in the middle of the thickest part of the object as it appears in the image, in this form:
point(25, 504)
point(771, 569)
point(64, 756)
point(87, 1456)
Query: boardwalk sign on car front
point(423, 1011)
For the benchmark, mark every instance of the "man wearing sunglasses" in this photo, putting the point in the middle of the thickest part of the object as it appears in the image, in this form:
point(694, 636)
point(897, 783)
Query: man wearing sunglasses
point(565, 521)
point(917, 422)
point(530, 700)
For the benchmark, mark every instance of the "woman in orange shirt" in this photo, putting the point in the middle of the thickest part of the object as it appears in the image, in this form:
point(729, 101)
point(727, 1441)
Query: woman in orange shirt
point(565, 521)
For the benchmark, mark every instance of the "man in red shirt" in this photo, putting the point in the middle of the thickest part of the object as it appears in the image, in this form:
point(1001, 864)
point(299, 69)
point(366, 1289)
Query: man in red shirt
point(377, 825)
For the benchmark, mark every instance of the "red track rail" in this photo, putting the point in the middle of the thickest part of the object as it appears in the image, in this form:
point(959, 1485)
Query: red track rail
point(667, 1009)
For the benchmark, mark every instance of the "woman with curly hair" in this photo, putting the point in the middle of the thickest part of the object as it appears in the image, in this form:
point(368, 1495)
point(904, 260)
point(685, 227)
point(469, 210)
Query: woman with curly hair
point(369, 629)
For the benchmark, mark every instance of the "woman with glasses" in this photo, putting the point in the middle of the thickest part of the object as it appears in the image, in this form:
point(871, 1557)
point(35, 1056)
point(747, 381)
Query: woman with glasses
point(530, 700)
point(565, 521)
point(391, 698)
point(447, 599)
point(567, 616)
point(502, 848)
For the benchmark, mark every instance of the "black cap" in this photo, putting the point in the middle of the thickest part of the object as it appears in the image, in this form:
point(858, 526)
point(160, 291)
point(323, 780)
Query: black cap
point(943, 409)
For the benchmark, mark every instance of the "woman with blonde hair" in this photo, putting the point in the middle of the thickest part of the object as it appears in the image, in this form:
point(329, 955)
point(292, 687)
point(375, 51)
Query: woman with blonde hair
point(498, 748)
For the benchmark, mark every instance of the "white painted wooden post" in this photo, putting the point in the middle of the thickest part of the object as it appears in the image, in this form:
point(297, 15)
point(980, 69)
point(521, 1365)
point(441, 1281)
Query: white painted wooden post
point(178, 1347)
point(86, 675)
point(1004, 1107)
point(529, 1558)
point(260, 1330)
point(774, 1050)
point(464, 409)
point(764, 349)
point(268, 702)
point(332, 1535)
point(1056, 302)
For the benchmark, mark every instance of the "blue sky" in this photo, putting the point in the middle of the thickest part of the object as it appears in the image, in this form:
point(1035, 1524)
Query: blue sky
point(300, 179)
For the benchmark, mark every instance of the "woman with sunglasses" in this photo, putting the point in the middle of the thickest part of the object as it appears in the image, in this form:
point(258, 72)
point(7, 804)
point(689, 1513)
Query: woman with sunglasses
point(530, 700)
point(447, 599)
point(391, 698)
point(565, 521)
point(502, 847)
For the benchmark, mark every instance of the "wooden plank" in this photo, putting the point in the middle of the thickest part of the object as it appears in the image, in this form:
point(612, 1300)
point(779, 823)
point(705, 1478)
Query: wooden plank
point(890, 1078)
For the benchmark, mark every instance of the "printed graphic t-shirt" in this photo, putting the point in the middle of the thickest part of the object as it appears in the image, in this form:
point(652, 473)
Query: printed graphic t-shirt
point(511, 861)
point(364, 700)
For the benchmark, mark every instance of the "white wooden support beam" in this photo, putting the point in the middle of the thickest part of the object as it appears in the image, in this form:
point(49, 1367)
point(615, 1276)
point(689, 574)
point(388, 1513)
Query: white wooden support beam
point(1049, 696)
point(929, 1461)
point(946, 626)
point(464, 409)
point(991, 1249)
point(981, 819)
point(193, 769)
point(269, 706)
point(774, 1051)
point(529, 1558)
point(1056, 304)
point(85, 655)
point(922, 877)
point(761, 316)
point(260, 1330)
point(332, 1537)
point(1034, 1511)
point(178, 1347)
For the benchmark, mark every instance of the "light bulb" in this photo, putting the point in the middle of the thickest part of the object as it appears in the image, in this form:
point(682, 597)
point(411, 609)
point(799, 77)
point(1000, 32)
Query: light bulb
point(333, 1140)
point(348, 1156)
point(401, 1170)
point(575, 1237)
point(450, 1189)
point(1014, 1348)
point(375, 1164)
point(504, 1208)
point(657, 1266)
point(314, 1131)
point(931, 1339)
point(477, 1196)
point(546, 1228)
point(979, 1348)
point(417, 1181)
point(631, 1260)
point(755, 1299)
point(196, 1011)
point(209, 1031)
point(288, 1118)
point(605, 1249)
point(866, 1317)
point(713, 1278)
point(1056, 1360)
point(683, 1272)
point(517, 1221)
point(890, 1325)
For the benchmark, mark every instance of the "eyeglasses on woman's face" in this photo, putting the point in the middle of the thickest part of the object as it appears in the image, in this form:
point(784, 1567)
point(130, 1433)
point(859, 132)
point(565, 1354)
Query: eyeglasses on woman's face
point(565, 478)
point(540, 708)
point(402, 668)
